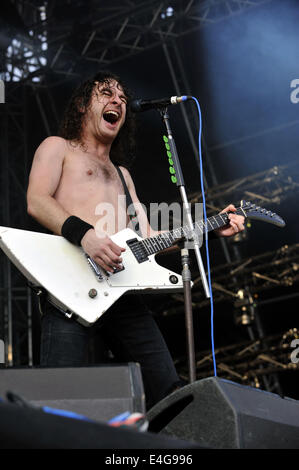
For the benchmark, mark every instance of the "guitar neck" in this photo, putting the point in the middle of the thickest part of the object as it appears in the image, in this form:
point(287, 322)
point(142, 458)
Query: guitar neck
point(165, 240)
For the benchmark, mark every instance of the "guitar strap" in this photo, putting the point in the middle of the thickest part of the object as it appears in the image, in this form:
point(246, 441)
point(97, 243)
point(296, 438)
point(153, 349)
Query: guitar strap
point(129, 203)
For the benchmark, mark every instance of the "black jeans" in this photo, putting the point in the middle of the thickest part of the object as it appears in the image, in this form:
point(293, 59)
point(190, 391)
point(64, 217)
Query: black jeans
point(129, 331)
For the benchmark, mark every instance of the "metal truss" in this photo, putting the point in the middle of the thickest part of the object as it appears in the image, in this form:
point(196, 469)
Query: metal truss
point(72, 33)
point(270, 187)
point(272, 270)
point(252, 363)
point(15, 298)
point(242, 282)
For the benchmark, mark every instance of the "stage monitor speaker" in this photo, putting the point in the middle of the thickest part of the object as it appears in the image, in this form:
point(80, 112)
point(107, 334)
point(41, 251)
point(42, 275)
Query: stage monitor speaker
point(226, 415)
point(28, 428)
point(98, 393)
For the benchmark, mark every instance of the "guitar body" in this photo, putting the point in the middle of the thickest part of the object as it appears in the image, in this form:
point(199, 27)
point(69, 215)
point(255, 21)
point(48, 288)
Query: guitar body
point(62, 269)
point(74, 286)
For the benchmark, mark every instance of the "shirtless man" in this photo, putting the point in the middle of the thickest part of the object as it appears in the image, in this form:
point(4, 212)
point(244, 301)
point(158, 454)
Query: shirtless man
point(70, 176)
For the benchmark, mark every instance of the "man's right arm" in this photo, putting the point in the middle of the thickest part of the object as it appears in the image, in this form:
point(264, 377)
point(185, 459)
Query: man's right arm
point(44, 179)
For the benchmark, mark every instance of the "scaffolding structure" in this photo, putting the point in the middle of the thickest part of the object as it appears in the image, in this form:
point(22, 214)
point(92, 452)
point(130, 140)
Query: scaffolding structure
point(106, 32)
point(14, 160)
point(249, 363)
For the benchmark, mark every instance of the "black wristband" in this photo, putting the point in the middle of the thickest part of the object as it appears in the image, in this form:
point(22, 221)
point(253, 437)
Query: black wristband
point(74, 229)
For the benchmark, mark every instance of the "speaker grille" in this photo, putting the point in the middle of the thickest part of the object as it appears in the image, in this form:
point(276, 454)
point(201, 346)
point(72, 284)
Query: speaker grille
point(99, 393)
point(222, 414)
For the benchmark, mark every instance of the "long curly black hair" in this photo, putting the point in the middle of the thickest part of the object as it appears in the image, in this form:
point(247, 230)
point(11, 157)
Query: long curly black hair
point(71, 127)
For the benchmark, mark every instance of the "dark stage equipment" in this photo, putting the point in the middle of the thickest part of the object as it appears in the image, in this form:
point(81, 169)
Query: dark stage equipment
point(223, 414)
point(99, 393)
point(27, 428)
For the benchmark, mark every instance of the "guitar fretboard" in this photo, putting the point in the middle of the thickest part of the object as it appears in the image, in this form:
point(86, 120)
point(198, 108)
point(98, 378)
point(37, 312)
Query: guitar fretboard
point(160, 242)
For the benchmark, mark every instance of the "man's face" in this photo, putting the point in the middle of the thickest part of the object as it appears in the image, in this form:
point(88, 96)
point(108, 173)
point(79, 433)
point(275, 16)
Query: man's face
point(107, 111)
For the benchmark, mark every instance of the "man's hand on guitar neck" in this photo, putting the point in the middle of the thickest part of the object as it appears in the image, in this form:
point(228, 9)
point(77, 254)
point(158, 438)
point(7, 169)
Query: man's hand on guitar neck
point(102, 250)
point(236, 223)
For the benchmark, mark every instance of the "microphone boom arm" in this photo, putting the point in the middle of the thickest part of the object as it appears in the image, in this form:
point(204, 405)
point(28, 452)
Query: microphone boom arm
point(186, 273)
point(180, 182)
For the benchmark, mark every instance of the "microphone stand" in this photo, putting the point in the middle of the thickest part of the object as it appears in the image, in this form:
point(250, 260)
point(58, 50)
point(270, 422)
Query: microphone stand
point(186, 274)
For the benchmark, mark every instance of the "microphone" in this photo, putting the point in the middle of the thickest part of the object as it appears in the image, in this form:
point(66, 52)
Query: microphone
point(138, 106)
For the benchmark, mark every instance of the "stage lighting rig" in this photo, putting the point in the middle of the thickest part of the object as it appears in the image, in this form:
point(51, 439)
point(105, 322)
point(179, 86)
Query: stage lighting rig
point(24, 51)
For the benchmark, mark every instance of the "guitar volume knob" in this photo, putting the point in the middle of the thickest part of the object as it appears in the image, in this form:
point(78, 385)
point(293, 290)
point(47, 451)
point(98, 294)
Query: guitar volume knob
point(93, 293)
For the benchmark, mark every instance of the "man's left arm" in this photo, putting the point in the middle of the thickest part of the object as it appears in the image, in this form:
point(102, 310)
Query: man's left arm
point(236, 222)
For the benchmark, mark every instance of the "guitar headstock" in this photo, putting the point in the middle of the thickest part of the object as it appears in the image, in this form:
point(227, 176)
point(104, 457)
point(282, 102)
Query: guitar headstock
point(253, 211)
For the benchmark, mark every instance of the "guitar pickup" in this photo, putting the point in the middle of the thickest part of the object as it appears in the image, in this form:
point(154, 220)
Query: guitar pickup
point(138, 250)
point(118, 270)
point(115, 271)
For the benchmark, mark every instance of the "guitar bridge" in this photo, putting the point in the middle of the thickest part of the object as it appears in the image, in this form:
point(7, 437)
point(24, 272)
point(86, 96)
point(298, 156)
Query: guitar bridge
point(95, 268)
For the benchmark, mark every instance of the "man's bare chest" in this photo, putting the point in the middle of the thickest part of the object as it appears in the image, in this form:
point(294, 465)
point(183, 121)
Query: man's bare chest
point(88, 181)
point(89, 171)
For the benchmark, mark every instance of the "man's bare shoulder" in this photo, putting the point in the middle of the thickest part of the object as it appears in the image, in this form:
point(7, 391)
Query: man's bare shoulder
point(52, 149)
point(55, 139)
point(53, 142)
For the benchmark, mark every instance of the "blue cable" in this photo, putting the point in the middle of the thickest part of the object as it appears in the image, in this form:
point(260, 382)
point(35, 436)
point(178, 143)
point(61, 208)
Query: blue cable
point(206, 238)
point(66, 414)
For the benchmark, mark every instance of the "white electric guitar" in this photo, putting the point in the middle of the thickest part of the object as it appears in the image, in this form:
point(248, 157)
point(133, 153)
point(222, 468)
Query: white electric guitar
point(80, 288)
